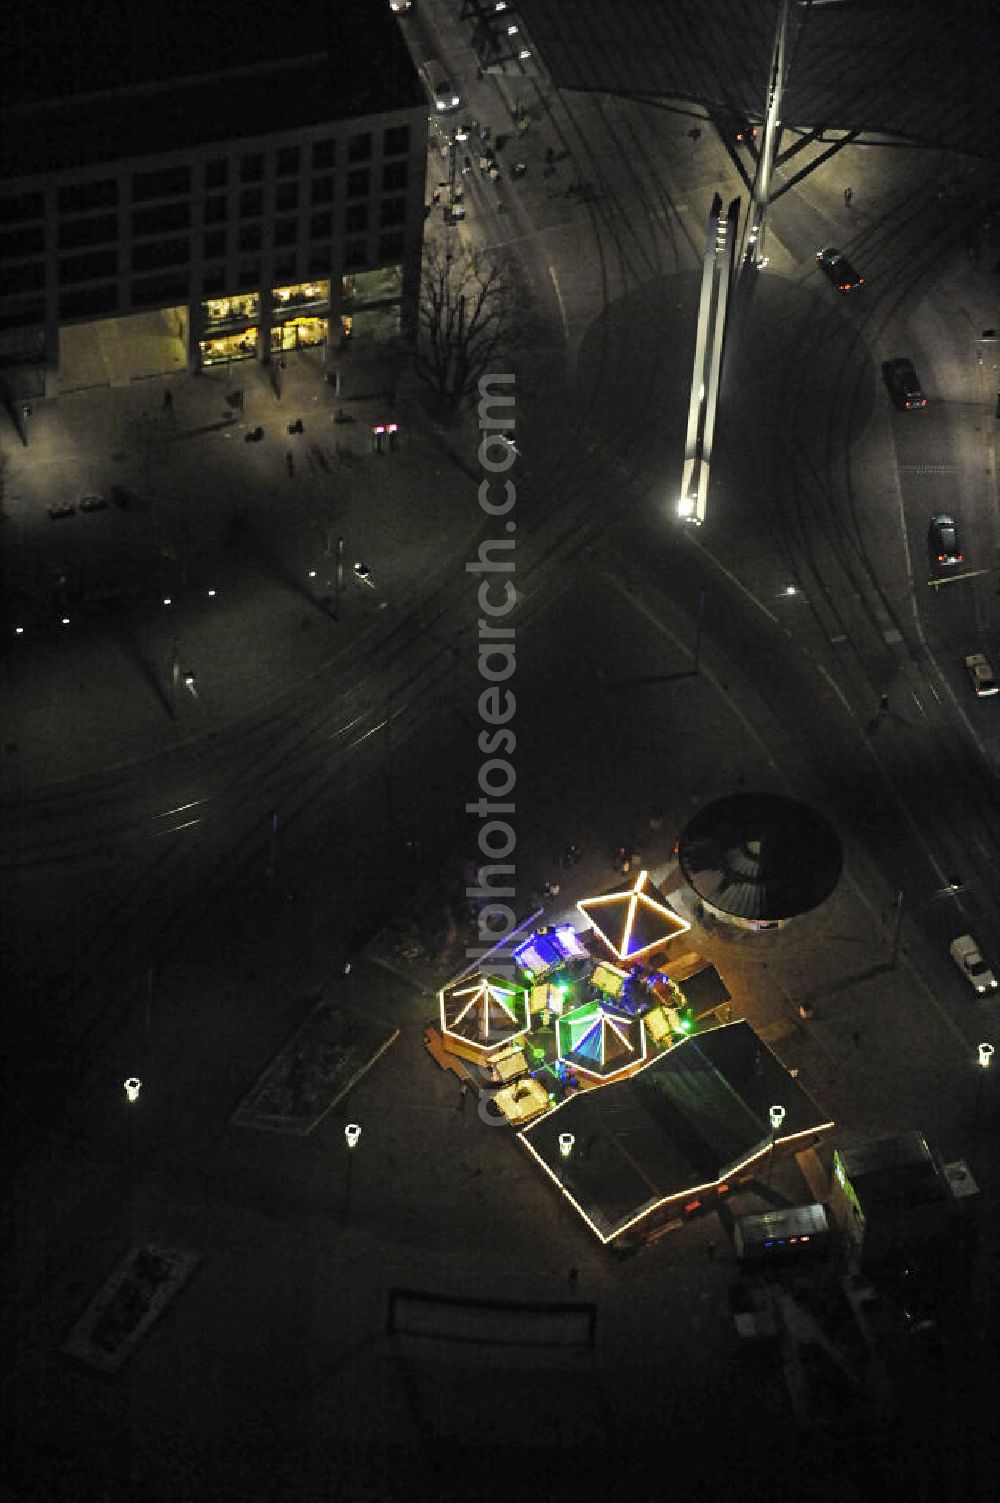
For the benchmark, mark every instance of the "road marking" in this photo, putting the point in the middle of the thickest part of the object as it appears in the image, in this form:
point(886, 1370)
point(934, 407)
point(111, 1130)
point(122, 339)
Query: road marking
point(927, 469)
point(559, 300)
point(733, 580)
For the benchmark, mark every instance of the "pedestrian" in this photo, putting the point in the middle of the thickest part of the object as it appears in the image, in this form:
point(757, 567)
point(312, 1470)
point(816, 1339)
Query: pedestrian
point(168, 401)
point(290, 462)
point(550, 157)
point(574, 1279)
point(848, 195)
point(883, 703)
point(463, 1095)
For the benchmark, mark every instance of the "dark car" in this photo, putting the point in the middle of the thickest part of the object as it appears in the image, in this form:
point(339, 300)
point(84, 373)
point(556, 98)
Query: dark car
point(840, 271)
point(943, 540)
point(904, 384)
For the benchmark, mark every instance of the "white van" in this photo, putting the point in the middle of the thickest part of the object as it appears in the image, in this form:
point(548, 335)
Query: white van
point(439, 86)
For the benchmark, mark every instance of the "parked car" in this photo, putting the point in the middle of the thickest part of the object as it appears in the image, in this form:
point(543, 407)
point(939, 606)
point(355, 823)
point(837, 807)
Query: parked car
point(966, 954)
point(904, 384)
point(839, 270)
point(980, 672)
point(943, 540)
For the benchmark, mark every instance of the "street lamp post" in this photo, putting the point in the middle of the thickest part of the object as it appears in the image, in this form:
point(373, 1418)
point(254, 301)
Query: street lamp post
point(566, 1141)
point(777, 1116)
point(984, 1060)
point(897, 921)
point(699, 622)
point(175, 674)
point(338, 579)
point(352, 1135)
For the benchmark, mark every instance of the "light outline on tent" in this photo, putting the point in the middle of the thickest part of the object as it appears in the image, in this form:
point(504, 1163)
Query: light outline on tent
point(710, 1184)
point(729, 1173)
point(602, 1076)
point(484, 987)
point(635, 895)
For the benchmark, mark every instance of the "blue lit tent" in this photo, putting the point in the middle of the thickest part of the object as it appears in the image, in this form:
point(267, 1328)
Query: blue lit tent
point(600, 1040)
point(547, 949)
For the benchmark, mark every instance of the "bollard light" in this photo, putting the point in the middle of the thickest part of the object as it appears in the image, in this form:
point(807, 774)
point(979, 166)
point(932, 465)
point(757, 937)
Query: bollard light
point(133, 1085)
point(352, 1132)
point(566, 1141)
point(777, 1114)
point(986, 1052)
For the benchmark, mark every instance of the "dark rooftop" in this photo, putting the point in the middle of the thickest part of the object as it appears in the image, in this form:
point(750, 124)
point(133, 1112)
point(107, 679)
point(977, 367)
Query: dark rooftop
point(897, 1173)
point(77, 78)
point(939, 89)
point(760, 856)
point(684, 1121)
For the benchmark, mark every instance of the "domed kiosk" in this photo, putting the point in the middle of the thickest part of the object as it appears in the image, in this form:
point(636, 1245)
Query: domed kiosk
point(759, 859)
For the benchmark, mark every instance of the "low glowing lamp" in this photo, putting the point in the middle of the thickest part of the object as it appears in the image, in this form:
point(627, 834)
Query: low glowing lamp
point(133, 1085)
point(352, 1132)
point(986, 1052)
point(566, 1141)
point(777, 1115)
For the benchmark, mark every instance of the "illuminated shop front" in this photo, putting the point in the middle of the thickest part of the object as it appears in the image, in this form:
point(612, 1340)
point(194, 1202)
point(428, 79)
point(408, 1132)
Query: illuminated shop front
point(300, 316)
point(299, 334)
point(228, 347)
point(229, 329)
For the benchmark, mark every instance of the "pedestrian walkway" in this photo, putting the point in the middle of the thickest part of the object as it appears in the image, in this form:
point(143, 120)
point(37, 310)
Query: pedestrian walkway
point(206, 582)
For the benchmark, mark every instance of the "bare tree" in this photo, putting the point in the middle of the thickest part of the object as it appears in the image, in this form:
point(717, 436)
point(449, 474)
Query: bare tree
point(470, 305)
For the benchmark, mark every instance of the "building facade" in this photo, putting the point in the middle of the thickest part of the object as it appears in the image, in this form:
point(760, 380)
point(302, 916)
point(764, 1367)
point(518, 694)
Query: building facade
point(243, 213)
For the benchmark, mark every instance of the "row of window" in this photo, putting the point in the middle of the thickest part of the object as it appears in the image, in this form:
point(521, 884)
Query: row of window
point(173, 284)
point(162, 218)
point(180, 181)
point(89, 265)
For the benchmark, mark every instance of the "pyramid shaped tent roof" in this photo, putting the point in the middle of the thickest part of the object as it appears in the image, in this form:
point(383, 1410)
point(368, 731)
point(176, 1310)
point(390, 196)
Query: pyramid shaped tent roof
point(600, 1040)
point(633, 920)
point(484, 1010)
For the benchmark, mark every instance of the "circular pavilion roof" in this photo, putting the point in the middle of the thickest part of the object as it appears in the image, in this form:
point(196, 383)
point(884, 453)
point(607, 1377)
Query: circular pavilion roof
point(760, 856)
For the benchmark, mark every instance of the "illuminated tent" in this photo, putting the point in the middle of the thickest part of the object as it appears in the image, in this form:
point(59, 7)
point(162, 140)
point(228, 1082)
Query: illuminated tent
point(547, 997)
point(608, 978)
point(548, 948)
point(633, 920)
point(600, 1040)
point(484, 1010)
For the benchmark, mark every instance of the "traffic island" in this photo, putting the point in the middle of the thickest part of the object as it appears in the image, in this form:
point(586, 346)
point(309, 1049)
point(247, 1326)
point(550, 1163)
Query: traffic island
point(329, 1054)
point(125, 1307)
